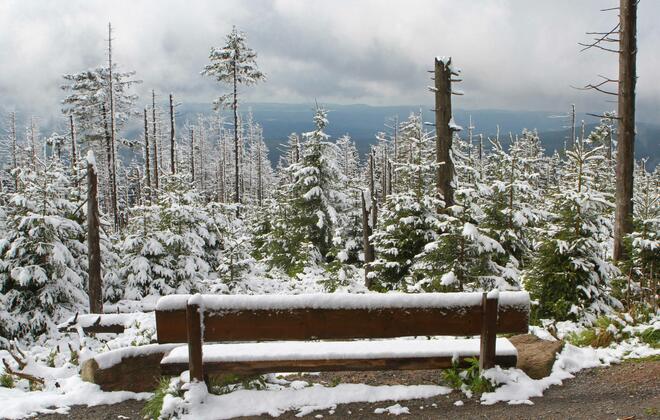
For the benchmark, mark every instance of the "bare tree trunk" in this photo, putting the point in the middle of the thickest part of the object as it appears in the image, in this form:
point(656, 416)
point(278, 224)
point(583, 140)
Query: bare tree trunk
point(74, 152)
point(571, 143)
point(626, 147)
point(147, 169)
point(396, 150)
point(154, 135)
point(113, 163)
point(95, 286)
point(384, 180)
point(260, 182)
point(223, 177)
point(172, 167)
point(14, 149)
point(33, 143)
point(108, 153)
point(443, 115)
point(237, 194)
point(192, 154)
point(367, 247)
point(372, 192)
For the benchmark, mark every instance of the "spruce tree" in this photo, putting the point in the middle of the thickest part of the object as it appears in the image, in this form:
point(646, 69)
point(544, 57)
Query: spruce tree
point(571, 277)
point(43, 255)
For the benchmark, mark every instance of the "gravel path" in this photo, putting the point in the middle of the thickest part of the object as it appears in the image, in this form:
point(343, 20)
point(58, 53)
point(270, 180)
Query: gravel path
point(617, 392)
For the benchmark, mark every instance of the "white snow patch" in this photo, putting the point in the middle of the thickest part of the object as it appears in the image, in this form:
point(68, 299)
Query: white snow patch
point(18, 404)
point(341, 301)
point(276, 402)
point(323, 350)
point(395, 409)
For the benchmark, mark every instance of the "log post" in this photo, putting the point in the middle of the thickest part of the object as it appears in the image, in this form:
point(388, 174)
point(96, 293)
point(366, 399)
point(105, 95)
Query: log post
point(489, 304)
point(195, 339)
point(95, 288)
point(443, 115)
point(625, 159)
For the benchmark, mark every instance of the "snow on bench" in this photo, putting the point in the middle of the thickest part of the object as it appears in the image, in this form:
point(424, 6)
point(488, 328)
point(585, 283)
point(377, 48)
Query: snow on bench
point(326, 350)
point(341, 301)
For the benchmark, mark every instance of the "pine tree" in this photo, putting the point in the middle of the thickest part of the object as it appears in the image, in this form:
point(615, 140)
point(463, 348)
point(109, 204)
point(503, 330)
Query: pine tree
point(571, 276)
point(43, 255)
point(409, 218)
point(234, 64)
point(302, 231)
point(171, 246)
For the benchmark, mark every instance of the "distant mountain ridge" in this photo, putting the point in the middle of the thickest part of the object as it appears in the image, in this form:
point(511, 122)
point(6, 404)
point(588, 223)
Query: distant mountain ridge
point(362, 122)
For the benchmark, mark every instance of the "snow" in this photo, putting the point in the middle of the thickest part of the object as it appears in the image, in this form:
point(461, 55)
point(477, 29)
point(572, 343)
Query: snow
point(114, 357)
point(57, 397)
point(458, 403)
point(453, 126)
point(91, 159)
point(342, 301)
point(395, 409)
point(448, 278)
point(322, 350)
point(317, 397)
point(518, 388)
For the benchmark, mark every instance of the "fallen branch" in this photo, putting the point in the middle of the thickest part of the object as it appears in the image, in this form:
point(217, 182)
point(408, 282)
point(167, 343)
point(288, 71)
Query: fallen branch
point(22, 375)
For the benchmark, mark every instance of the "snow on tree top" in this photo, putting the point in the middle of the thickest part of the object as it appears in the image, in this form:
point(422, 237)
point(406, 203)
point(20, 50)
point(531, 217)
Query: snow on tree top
point(443, 59)
point(91, 159)
point(340, 301)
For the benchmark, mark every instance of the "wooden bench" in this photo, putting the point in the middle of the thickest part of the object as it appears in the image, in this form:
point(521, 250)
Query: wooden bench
point(285, 326)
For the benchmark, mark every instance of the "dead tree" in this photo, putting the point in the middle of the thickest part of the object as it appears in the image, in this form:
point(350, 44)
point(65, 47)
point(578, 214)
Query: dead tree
point(260, 182)
point(192, 154)
point(95, 287)
point(113, 129)
point(172, 165)
point(14, 149)
point(367, 230)
point(623, 223)
point(147, 169)
point(154, 134)
point(626, 30)
point(109, 164)
point(444, 128)
point(33, 142)
point(74, 163)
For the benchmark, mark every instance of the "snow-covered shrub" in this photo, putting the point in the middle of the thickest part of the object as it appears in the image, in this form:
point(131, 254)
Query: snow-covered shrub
point(43, 256)
point(170, 246)
point(462, 255)
point(571, 275)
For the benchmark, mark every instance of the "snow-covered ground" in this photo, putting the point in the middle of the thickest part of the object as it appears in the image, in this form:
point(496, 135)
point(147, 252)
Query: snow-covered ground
point(63, 387)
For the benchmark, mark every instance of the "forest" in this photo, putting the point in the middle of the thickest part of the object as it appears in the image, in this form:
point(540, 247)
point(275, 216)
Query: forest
point(92, 222)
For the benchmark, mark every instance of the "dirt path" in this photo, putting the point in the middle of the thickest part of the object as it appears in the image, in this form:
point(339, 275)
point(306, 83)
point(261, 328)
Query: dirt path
point(620, 391)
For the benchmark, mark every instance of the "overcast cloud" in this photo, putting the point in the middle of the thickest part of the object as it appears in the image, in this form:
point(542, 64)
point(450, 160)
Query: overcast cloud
point(515, 54)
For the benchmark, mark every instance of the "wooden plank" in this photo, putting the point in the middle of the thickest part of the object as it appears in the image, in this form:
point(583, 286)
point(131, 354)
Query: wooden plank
point(270, 366)
point(171, 326)
point(195, 342)
point(488, 332)
point(306, 324)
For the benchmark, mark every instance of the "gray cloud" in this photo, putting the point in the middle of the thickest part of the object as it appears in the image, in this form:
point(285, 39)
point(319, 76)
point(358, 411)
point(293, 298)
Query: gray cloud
point(515, 54)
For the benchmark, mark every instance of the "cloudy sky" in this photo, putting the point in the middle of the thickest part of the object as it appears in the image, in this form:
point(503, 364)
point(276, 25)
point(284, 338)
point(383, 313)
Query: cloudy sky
point(514, 54)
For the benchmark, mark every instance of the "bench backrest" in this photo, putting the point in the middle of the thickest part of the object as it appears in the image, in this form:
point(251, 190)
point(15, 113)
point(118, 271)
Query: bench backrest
point(338, 316)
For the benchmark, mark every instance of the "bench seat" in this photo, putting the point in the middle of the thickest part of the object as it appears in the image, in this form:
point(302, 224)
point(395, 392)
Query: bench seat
point(306, 356)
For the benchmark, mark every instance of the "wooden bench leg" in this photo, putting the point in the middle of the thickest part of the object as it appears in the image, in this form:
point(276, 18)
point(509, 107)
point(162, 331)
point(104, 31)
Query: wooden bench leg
point(488, 331)
point(195, 341)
